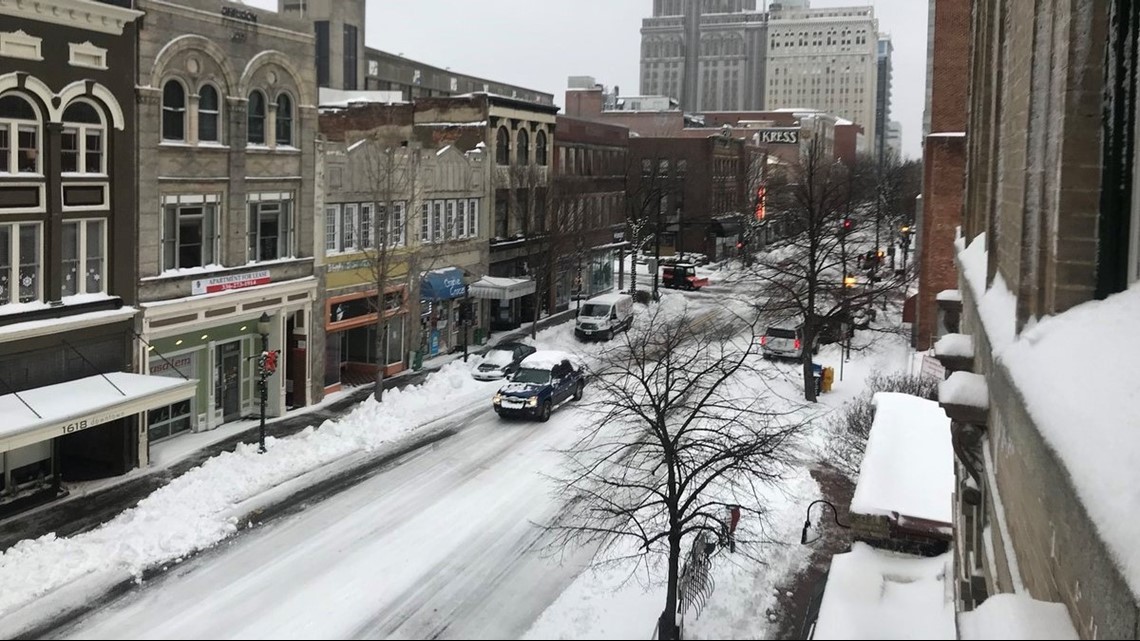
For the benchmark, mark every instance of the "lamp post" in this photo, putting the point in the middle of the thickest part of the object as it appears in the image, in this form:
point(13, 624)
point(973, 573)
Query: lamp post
point(807, 520)
point(263, 373)
point(465, 313)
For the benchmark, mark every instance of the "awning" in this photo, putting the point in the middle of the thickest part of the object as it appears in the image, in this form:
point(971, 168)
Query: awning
point(442, 284)
point(504, 289)
point(725, 227)
point(64, 408)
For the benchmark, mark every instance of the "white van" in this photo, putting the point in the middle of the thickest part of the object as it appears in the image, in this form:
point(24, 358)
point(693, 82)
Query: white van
point(603, 316)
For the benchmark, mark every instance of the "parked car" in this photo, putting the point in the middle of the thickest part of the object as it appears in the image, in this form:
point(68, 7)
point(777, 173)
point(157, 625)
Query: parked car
point(682, 276)
point(543, 380)
point(785, 340)
point(603, 316)
point(501, 361)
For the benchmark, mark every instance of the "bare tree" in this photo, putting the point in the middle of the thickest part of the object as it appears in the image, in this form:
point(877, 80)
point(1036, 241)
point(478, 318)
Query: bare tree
point(680, 444)
point(810, 275)
point(648, 190)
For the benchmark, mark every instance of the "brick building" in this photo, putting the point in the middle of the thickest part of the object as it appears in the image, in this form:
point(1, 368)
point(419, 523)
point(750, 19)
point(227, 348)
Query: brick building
point(226, 139)
point(1046, 440)
point(590, 163)
point(944, 163)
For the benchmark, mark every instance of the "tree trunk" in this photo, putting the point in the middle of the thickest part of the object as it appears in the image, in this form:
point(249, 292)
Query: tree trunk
point(381, 332)
point(806, 357)
point(667, 625)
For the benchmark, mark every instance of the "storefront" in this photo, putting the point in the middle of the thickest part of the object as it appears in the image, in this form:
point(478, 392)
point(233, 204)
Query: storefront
point(215, 339)
point(442, 296)
point(353, 322)
point(504, 296)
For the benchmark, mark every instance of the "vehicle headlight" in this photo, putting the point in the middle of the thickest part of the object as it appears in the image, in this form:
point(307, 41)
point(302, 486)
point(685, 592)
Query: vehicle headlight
point(498, 399)
point(532, 401)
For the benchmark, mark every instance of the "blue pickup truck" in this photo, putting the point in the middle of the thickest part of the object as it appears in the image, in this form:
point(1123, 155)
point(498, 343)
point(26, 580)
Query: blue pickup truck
point(543, 380)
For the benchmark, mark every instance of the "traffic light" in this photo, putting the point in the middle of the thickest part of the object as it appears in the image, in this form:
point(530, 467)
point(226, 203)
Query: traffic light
point(846, 227)
point(849, 281)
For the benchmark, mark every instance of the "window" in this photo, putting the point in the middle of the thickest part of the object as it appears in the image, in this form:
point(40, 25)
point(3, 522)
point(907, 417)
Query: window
point(84, 253)
point(501, 217)
point(284, 120)
point(348, 226)
point(367, 217)
point(256, 119)
point(270, 227)
point(437, 221)
point(473, 218)
point(349, 50)
point(209, 112)
point(540, 148)
point(322, 33)
point(461, 219)
point(168, 421)
point(332, 228)
point(503, 147)
point(173, 111)
point(20, 268)
point(449, 224)
point(425, 223)
point(523, 148)
point(396, 236)
point(81, 144)
point(189, 231)
point(19, 123)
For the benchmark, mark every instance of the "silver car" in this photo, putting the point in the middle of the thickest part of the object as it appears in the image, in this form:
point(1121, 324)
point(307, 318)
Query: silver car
point(501, 361)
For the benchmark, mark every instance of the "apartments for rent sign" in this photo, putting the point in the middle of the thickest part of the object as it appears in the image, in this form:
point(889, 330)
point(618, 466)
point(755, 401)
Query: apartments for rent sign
point(230, 281)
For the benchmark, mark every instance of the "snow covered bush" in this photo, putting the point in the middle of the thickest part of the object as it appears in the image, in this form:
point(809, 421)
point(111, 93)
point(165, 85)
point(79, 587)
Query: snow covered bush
point(852, 425)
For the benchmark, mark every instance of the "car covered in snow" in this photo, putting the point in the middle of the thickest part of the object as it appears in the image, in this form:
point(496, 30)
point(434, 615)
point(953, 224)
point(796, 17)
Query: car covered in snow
point(501, 361)
point(543, 380)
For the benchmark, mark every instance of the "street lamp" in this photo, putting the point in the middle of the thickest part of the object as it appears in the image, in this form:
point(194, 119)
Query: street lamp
point(263, 373)
point(807, 520)
point(465, 312)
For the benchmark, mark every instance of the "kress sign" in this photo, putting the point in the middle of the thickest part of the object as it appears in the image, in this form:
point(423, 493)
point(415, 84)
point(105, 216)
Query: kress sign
point(786, 136)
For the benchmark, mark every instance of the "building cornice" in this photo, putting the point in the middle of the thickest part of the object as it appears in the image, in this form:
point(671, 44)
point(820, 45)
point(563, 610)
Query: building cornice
point(81, 14)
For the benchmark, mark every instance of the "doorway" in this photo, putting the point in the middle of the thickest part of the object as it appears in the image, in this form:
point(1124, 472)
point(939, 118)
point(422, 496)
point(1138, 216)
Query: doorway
point(227, 381)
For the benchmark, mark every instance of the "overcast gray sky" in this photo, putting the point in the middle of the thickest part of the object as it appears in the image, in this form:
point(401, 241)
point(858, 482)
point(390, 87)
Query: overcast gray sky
point(538, 43)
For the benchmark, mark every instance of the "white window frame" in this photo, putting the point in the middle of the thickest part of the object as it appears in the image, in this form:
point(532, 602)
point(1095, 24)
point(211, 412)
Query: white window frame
point(350, 225)
point(13, 275)
point(287, 247)
point(437, 221)
point(397, 230)
point(332, 224)
point(461, 218)
point(425, 222)
point(14, 126)
point(217, 113)
point(364, 226)
point(82, 129)
point(450, 230)
point(210, 205)
point(473, 217)
point(82, 236)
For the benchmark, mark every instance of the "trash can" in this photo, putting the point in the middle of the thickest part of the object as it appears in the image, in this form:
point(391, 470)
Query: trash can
point(817, 376)
point(479, 339)
point(417, 359)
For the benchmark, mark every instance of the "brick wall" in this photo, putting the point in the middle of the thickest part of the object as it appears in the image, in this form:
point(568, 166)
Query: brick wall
point(950, 67)
point(944, 163)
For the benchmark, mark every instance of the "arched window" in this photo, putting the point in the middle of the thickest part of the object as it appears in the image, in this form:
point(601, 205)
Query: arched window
point(19, 136)
point(209, 113)
point(503, 147)
point(523, 148)
point(255, 119)
point(284, 120)
point(173, 111)
point(82, 142)
point(540, 147)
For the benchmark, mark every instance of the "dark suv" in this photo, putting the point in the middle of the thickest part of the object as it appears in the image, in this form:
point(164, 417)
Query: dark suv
point(544, 379)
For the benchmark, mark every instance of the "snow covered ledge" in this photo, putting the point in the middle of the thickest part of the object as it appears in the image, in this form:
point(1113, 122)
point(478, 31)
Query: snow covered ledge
point(966, 398)
point(955, 352)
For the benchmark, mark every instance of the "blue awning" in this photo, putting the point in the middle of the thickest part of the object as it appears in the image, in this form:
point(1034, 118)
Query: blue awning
point(442, 284)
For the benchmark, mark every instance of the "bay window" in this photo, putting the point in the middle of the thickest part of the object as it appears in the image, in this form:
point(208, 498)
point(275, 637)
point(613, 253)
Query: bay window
point(348, 227)
point(425, 223)
point(84, 257)
point(396, 236)
point(367, 217)
point(461, 219)
point(332, 228)
point(189, 231)
point(473, 217)
point(437, 221)
point(449, 221)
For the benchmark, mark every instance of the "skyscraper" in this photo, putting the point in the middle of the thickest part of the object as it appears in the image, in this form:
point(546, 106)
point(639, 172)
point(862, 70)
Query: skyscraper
point(883, 97)
point(824, 59)
point(708, 54)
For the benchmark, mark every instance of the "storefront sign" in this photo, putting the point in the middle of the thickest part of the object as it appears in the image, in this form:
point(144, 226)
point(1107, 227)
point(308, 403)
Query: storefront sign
point(174, 366)
point(230, 281)
point(787, 136)
point(443, 284)
point(350, 265)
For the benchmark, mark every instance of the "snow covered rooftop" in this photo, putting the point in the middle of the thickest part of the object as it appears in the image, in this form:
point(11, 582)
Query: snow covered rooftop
point(843, 121)
point(1016, 616)
point(908, 468)
point(340, 98)
point(873, 594)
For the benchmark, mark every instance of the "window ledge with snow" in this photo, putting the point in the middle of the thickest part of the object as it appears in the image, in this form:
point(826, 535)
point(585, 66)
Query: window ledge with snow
point(955, 352)
point(965, 397)
point(949, 300)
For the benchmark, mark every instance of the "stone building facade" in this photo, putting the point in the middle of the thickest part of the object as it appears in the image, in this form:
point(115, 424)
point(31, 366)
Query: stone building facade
point(1050, 225)
point(226, 198)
